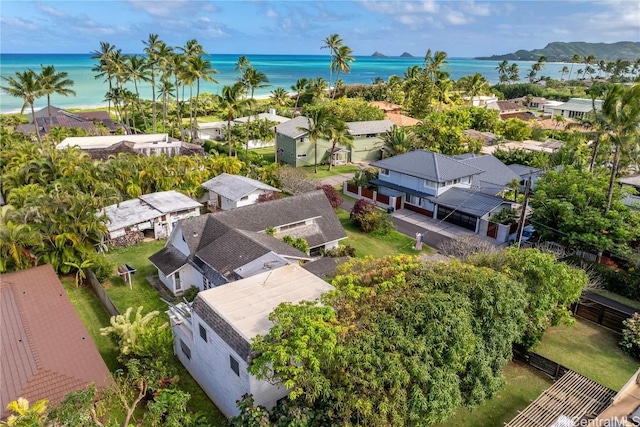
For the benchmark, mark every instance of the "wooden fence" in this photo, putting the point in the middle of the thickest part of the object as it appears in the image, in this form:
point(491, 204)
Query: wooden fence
point(601, 314)
point(541, 363)
point(101, 294)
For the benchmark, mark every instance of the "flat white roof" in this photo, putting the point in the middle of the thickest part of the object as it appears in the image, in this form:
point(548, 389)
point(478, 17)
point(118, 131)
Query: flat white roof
point(246, 304)
point(235, 187)
point(169, 201)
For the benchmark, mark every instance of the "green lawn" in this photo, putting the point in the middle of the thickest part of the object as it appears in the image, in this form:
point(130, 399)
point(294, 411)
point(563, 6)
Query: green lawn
point(590, 350)
point(268, 153)
point(94, 317)
point(323, 171)
point(522, 386)
point(377, 246)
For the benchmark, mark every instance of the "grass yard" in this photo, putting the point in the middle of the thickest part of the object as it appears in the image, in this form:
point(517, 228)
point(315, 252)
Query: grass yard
point(336, 170)
point(522, 385)
point(94, 317)
point(377, 246)
point(590, 350)
point(268, 153)
point(618, 298)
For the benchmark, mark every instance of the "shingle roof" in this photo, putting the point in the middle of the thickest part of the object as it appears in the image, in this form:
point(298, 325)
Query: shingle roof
point(369, 127)
point(290, 128)
point(325, 267)
point(45, 350)
point(168, 260)
point(427, 165)
point(235, 187)
point(503, 106)
point(468, 201)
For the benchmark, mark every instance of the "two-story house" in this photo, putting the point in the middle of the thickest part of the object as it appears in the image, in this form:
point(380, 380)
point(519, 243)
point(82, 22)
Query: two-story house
point(227, 191)
point(439, 187)
point(576, 108)
point(295, 148)
point(212, 337)
point(218, 248)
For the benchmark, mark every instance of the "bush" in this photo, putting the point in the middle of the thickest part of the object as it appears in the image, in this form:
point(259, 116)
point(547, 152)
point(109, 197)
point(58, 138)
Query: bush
point(368, 218)
point(340, 251)
point(630, 342)
point(190, 294)
point(332, 195)
point(101, 267)
point(299, 243)
point(619, 281)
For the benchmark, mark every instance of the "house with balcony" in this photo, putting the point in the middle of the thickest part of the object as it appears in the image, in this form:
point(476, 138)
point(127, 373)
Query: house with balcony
point(212, 336)
point(294, 147)
point(442, 187)
point(218, 248)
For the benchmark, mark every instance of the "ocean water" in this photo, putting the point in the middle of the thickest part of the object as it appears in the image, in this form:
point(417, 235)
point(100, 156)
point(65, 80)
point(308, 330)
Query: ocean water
point(281, 70)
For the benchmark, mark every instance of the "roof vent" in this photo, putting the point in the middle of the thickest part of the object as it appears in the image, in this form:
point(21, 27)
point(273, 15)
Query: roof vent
point(195, 234)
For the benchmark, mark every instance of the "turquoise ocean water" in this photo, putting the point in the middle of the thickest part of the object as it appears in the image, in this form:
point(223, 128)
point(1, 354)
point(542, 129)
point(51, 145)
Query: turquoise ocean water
point(282, 71)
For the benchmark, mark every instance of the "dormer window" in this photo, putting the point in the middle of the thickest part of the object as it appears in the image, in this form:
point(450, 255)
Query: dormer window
point(384, 171)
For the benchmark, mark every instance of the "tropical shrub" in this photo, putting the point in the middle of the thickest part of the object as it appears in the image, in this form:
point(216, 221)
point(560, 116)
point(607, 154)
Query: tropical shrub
point(366, 216)
point(630, 342)
point(332, 195)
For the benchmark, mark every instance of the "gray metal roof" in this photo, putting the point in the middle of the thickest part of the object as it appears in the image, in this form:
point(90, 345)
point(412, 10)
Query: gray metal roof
point(579, 104)
point(495, 173)
point(468, 201)
point(633, 180)
point(290, 128)
point(170, 201)
point(369, 127)
point(523, 170)
point(235, 187)
point(428, 165)
point(128, 213)
point(263, 116)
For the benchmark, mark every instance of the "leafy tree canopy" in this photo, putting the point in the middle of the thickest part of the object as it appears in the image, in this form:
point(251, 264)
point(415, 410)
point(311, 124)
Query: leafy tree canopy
point(346, 109)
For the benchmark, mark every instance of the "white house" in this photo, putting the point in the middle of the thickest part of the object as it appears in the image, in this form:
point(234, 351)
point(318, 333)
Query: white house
point(576, 108)
point(155, 213)
point(145, 145)
point(222, 247)
point(227, 191)
point(212, 337)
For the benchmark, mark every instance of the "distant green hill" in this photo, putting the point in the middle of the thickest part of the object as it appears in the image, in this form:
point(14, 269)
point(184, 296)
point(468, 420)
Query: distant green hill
point(562, 52)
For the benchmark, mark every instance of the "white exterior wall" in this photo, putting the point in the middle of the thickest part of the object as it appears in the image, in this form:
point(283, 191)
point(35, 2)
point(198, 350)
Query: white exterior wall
point(231, 204)
point(210, 367)
point(268, 261)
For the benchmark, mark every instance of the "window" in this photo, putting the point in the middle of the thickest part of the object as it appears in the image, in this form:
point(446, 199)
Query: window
point(176, 278)
point(244, 198)
point(413, 200)
point(384, 171)
point(290, 226)
point(304, 139)
point(235, 366)
point(203, 332)
point(301, 155)
point(206, 284)
point(185, 349)
point(430, 184)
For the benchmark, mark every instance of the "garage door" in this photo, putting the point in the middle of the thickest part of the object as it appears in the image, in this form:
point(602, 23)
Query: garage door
point(457, 218)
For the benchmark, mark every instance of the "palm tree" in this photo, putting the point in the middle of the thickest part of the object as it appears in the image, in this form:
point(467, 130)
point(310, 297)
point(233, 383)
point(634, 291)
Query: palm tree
point(153, 44)
point(338, 135)
point(231, 104)
point(514, 73)
point(52, 82)
point(317, 87)
point(198, 69)
point(398, 140)
point(342, 62)
point(474, 86)
point(503, 71)
point(621, 113)
point(136, 68)
point(299, 87)
point(103, 56)
point(25, 85)
point(253, 79)
point(333, 43)
point(242, 63)
point(165, 91)
point(574, 60)
point(557, 119)
point(280, 97)
point(319, 126)
point(16, 241)
point(564, 71)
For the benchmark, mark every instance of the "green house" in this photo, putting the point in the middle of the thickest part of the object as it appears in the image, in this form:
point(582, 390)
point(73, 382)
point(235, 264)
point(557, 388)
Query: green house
point(295, 148)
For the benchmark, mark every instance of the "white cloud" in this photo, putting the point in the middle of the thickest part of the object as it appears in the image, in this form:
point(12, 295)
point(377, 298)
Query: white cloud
point(398, 7)
point(270, 13)
point(457, 18)
point(51, 11)
point(162, 9)
point(19, 24)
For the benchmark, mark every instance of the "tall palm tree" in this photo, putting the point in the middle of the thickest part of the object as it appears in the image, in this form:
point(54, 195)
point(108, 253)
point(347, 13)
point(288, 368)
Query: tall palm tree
point(338, 135)
point(333, 43)
point(574, 60)
point(474, 86)
point(299, 87)
point(53, 82)
point(136, 68)
point(16, 241)
point(342, 63)
point(152, 48)
point(317, 87)
point(514, 73)
point(198, 69)
point(621, 112)
point(503, 71)
point(280, 97)
point(231, 104)
point(103, 56)
point(25, 85)
point(565, 70)
point(434, 64)
point(319, 125)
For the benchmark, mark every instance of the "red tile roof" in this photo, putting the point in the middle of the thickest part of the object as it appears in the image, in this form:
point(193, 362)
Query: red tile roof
point(45, 350)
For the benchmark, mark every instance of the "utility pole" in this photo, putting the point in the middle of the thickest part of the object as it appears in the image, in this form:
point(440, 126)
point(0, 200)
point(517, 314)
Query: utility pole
point(523, 214)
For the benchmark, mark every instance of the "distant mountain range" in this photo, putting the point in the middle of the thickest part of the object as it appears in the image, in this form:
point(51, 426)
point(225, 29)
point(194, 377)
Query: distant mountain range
point(562, 52)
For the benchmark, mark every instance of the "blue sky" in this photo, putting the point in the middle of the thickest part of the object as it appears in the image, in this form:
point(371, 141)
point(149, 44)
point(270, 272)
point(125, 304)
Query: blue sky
point(461, 28)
